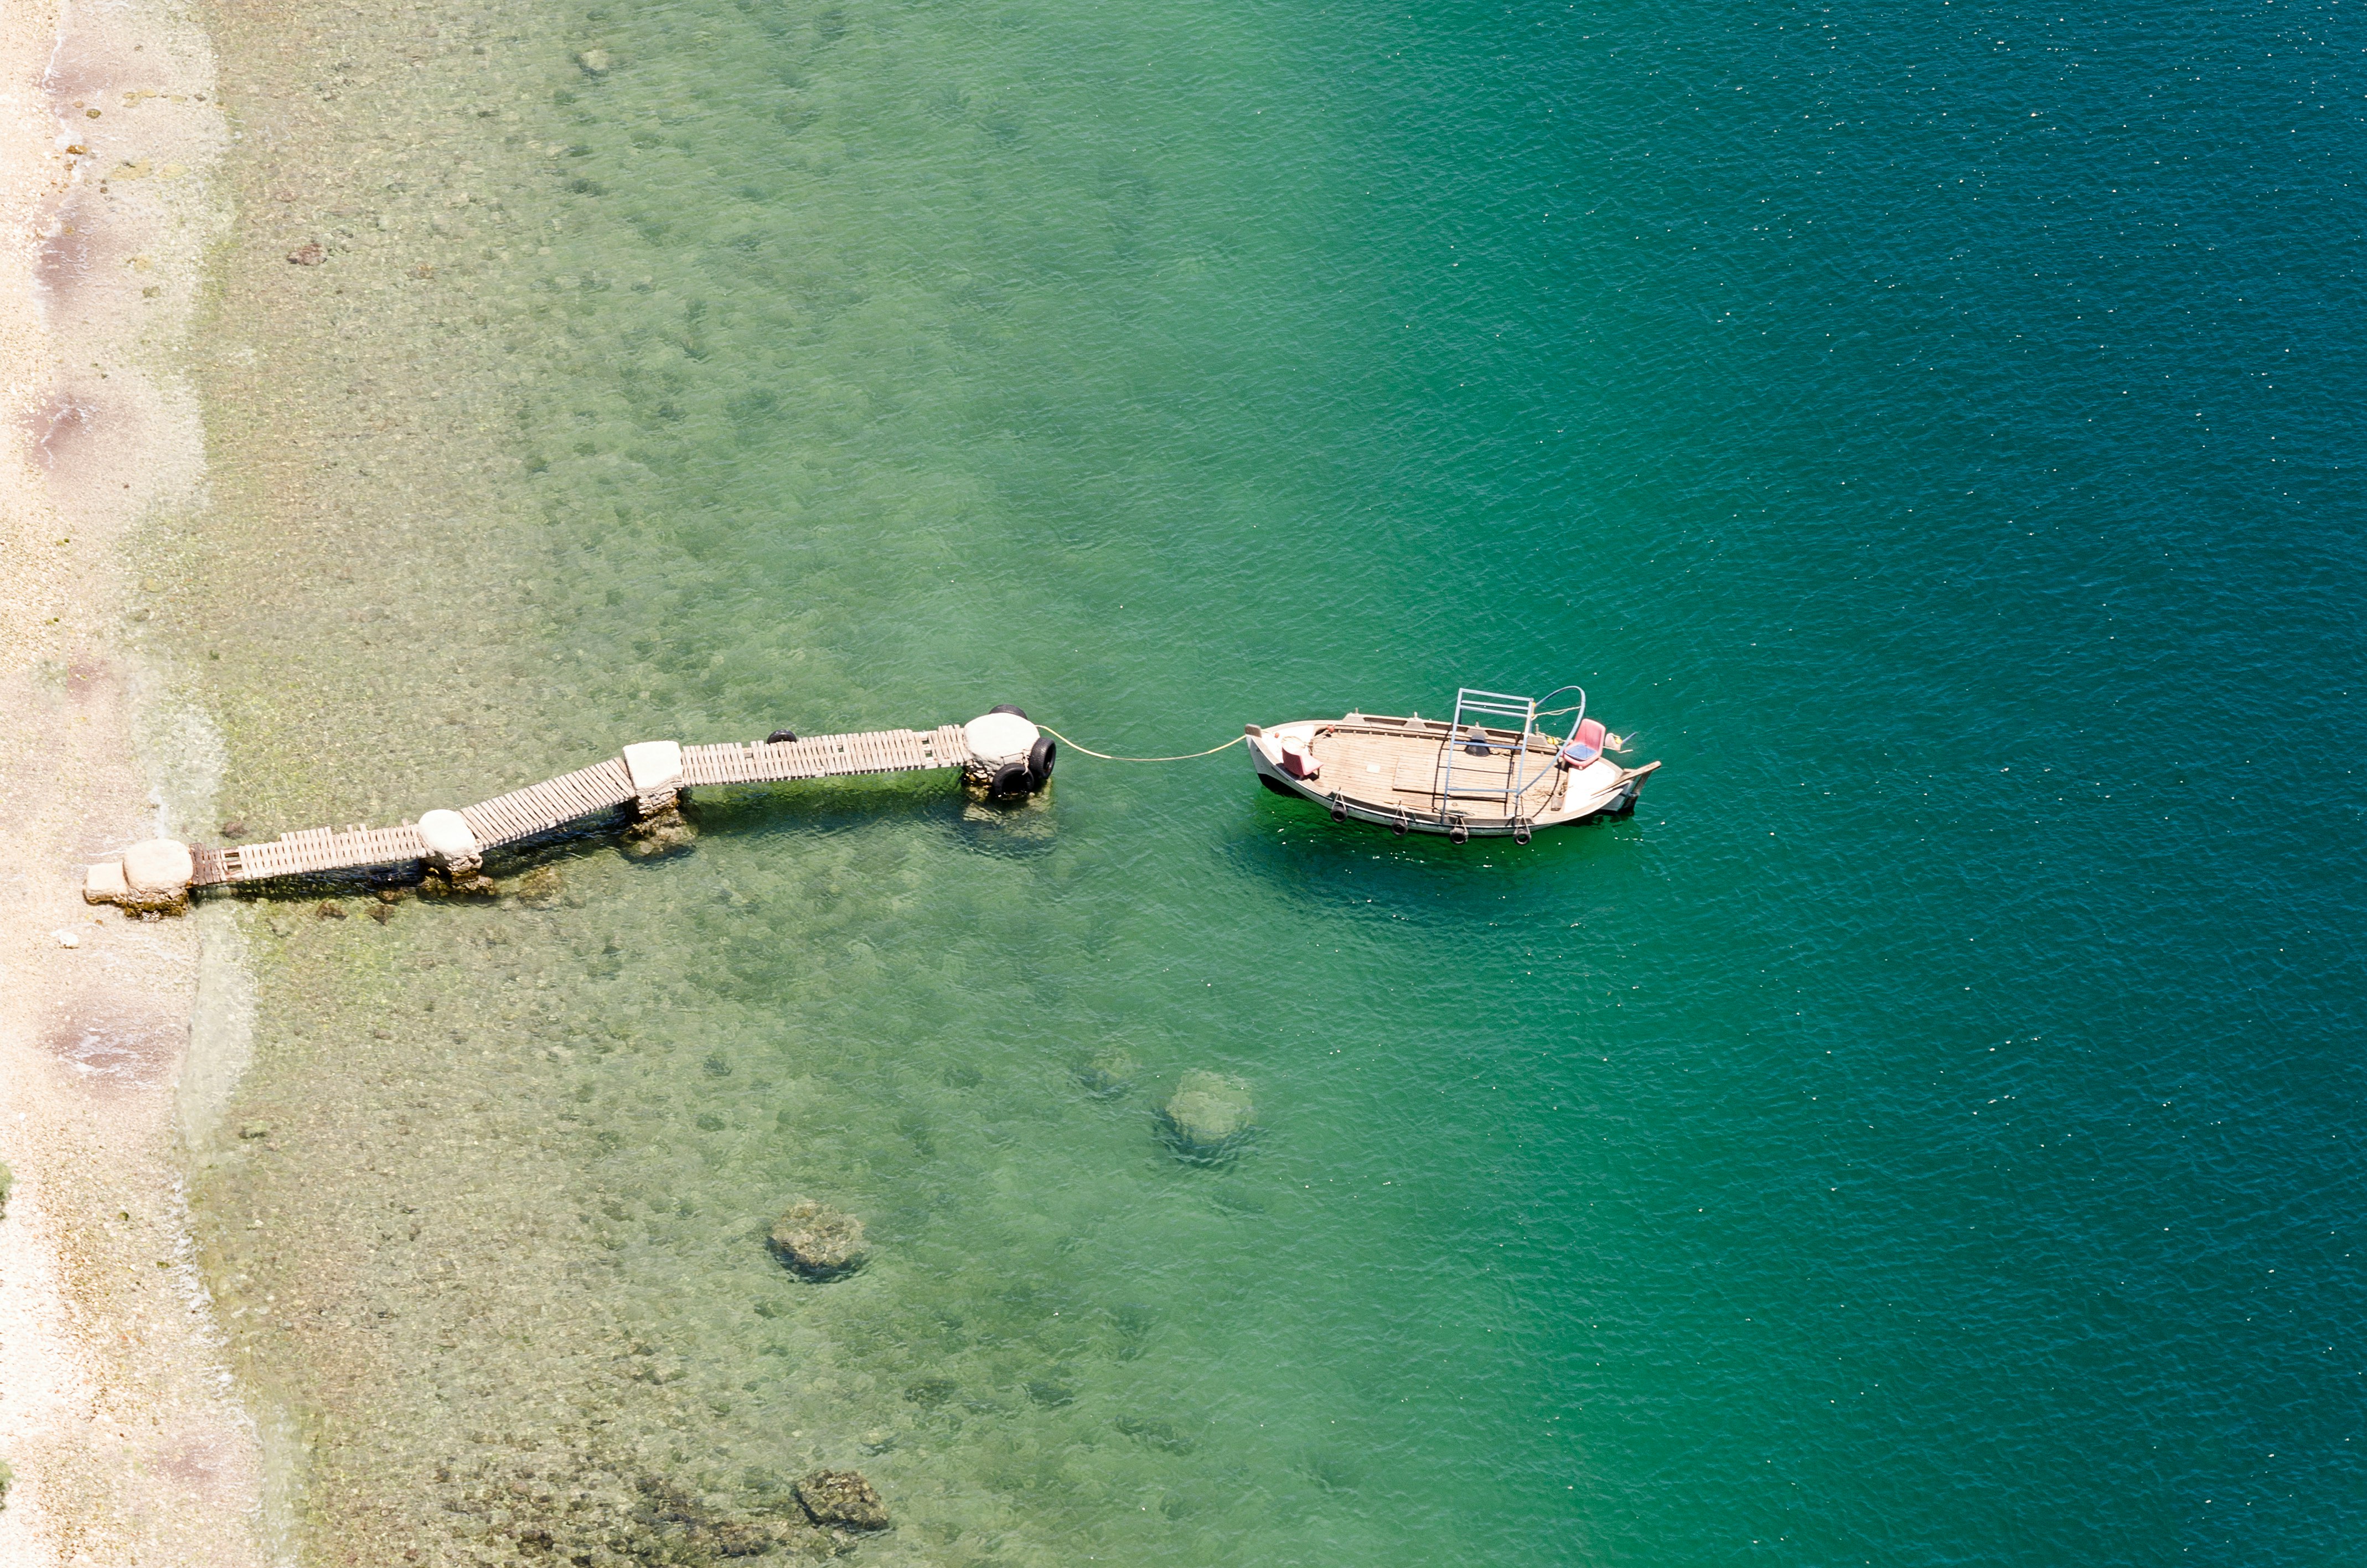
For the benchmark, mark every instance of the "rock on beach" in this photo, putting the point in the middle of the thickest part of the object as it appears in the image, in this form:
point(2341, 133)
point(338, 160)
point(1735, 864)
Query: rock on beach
point(818, 1241)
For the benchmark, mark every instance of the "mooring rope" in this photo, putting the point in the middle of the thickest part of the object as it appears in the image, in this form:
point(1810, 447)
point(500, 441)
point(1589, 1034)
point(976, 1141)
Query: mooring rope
point(1107, 758)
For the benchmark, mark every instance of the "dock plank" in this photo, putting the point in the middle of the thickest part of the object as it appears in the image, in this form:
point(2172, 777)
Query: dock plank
point(823, 756)
point(306, 851)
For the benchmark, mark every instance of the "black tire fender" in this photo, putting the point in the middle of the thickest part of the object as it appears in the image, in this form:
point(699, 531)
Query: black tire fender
point(1041, 758)
point(1009, 708)
point(779, 736)
point(1011, 781)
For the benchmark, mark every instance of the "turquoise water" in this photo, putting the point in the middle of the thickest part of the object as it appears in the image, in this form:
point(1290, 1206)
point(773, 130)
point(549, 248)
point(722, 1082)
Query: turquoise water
point(1920, 1134)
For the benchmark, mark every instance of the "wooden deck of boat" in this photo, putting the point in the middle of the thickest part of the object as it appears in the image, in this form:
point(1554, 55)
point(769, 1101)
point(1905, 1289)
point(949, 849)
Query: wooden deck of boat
point(587, 792)
point(1394, 763)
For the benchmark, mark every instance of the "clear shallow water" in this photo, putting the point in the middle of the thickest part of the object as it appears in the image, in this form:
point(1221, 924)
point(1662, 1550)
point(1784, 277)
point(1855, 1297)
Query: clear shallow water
point(1916, 1135)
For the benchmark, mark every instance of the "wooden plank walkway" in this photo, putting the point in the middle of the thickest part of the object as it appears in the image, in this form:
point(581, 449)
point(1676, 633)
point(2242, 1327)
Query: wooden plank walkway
point(825, 756)
point(588, 792)
point(538, 808)
point(310, 850)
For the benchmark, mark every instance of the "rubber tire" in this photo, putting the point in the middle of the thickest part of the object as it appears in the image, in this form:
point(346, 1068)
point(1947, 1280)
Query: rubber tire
point(1010, 708)
point(1041, 758)
point(1339, 812)
point(1521, 834)
point(1458, 834)
point(1398, 827)
point(1011, 782)
point(780, 735)
point(1279, 787)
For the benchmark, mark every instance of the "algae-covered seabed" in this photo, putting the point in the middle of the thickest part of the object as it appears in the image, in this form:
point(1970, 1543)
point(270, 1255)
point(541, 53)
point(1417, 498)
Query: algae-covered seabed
point(483, 476)
point(1810, 1166)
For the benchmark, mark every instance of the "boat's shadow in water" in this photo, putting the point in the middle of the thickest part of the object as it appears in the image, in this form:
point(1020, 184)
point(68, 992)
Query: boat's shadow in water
point(1295, 848)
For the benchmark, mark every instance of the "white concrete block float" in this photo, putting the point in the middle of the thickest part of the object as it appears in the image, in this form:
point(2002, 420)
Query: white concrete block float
point(655, 769)
point(159, 865)
point(452, 847)
point(152, 877)
point(104, 883)
point(1009, 755)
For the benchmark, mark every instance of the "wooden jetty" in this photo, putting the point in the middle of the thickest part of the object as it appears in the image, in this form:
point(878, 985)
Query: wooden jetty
point(645, 779)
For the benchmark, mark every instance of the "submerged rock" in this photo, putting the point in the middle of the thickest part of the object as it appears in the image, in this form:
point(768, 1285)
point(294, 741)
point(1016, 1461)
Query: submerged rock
point(592, 1510)
point(1135, 1324)
point(541, 888)
point(668, 1524)
point(1208, 1113)
point(467, 885)
point(1161, 1435)
point(659, 833)
point(818, 1241)
point(1110, 1073)
point(740, 1538)
point(842, 1499)
point(930, 1393)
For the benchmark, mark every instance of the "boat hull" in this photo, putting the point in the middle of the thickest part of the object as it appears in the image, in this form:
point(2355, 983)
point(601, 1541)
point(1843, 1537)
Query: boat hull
point(1356, 787)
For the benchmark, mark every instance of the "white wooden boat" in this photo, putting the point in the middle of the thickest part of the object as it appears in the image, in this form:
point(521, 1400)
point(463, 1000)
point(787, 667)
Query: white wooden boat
point(1488, 772)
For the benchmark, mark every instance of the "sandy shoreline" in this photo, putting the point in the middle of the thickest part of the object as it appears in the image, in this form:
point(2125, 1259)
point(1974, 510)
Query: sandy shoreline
point(125, 1436)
